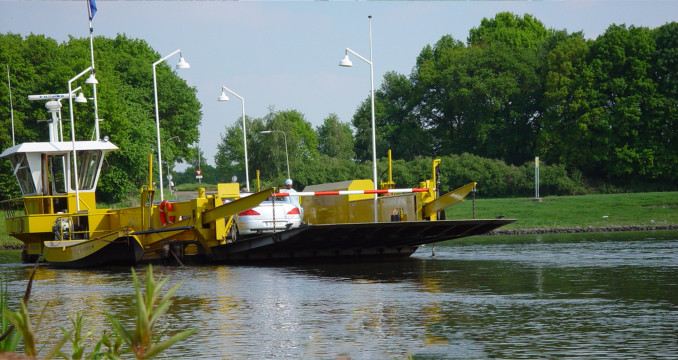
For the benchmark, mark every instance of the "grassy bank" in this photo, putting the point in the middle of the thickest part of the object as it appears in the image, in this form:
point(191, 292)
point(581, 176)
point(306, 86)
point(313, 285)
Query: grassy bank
point(6, 240)
point(645, 209)
point(658, 208)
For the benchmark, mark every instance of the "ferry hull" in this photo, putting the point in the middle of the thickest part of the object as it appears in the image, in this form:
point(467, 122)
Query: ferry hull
point(92, 253)
point(362, 240)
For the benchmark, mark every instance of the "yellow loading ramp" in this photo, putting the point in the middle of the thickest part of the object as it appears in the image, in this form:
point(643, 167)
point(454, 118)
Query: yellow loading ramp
point(447, 200)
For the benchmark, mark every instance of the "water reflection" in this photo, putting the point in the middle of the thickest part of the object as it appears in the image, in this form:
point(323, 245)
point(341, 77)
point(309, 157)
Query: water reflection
point(547, 297)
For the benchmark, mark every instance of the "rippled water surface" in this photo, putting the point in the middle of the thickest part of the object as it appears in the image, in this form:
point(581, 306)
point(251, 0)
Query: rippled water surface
point(583, 296)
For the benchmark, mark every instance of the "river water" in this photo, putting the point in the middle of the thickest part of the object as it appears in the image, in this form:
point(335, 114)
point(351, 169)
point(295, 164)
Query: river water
point(569, 296)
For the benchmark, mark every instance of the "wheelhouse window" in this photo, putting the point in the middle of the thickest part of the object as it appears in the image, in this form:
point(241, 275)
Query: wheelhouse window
point(88, 168)
point(57, 166)
point(23, 174)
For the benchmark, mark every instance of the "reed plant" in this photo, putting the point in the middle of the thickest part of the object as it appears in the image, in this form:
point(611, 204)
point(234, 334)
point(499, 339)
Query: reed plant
point(10, 341)
point(150, 306)
point(144, 342)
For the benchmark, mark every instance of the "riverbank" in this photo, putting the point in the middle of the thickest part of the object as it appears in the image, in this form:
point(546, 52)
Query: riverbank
point(589, 229)
point(584, 213)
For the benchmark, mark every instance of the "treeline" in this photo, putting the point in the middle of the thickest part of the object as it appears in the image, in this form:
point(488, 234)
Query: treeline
point(607, 108)
point(40, 65)
point(326, 154)
point(495, 177)
point(601, 114)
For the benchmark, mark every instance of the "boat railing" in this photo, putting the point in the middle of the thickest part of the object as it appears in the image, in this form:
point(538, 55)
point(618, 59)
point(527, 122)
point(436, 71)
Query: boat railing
point(12, 207)
point(46, 204)
point(66, 228)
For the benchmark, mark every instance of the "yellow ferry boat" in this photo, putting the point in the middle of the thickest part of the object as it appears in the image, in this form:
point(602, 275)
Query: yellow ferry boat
point(57, 218)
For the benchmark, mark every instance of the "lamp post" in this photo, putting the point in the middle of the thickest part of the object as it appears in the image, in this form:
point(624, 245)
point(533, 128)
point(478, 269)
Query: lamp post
point(80, 98)
point(181, 65)
point(223, 97)
point(287, 156)
point(75, 163)
point(346, 62)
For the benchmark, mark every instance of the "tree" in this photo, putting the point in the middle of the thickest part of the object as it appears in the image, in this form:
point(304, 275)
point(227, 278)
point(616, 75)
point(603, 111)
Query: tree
point(399, 126)
point(266, 152)
point(511, 30)
point(230, 156)
point(567, 102)
point(663, 72)
point(623, 139)
point(484, 98)
point(125, 97)
point(335, 138)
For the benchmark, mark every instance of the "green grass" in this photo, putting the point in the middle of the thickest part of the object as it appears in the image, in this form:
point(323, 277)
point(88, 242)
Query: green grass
point(658, 208)
point(195, 187)
point(6, 240)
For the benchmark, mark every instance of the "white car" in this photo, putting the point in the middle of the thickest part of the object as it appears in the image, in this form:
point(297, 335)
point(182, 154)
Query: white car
point(263, 219)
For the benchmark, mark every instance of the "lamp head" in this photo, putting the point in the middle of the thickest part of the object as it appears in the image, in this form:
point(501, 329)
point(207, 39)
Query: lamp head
point(345, 62)
point(223, 96)
point(80, 98)
point(183, 64)
point(91, 79)
point(265, 132)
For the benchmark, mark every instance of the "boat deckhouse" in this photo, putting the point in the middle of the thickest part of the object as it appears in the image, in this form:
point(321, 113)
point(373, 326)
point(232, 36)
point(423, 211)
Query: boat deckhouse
point(45, 169)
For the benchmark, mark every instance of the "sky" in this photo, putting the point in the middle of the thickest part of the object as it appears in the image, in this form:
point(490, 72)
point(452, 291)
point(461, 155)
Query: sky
point(285, 54)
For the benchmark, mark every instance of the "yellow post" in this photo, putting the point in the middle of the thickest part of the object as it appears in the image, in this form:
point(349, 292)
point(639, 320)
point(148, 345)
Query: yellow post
point(434, 175)
point(150, 171)
point(433, 186)
point(258, 182)
point(389, 184)
point(390, 170)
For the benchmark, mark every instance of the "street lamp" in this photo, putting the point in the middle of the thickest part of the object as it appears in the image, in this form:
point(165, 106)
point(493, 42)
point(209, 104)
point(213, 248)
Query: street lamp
point(181, 65)
point(223, 97)
point(346, 62)
point(75, 163)
point(286, 153)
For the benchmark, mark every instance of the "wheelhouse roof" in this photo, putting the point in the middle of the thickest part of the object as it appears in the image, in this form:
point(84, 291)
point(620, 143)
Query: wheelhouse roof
point(58, 147)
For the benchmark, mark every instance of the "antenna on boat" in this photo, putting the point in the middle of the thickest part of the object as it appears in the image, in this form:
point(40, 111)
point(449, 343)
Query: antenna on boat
point(53, 105)
point(11, 108)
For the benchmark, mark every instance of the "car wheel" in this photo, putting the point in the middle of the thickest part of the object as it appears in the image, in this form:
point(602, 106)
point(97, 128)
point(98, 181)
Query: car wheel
point(234, 234)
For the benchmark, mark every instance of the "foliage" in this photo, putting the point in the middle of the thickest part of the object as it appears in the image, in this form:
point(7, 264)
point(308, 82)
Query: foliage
point(143, 342)
point(39, 65)
point(326, 169)
point(79, 338)
point(604, 108)
point(292, 137)
point(335, 138)
point(602, 112)
point(11, 341)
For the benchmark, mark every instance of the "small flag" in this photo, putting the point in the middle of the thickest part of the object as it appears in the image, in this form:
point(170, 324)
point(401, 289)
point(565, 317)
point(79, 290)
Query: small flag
point(92, 9)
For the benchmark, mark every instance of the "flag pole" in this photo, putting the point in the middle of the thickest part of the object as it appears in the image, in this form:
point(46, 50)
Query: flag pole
point(92, 9)
point(11, 107)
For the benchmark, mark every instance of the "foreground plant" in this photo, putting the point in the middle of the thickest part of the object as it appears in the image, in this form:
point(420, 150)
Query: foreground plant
point(20, 325)
point(150, 307)
point(10, 338)
point(143, 343)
